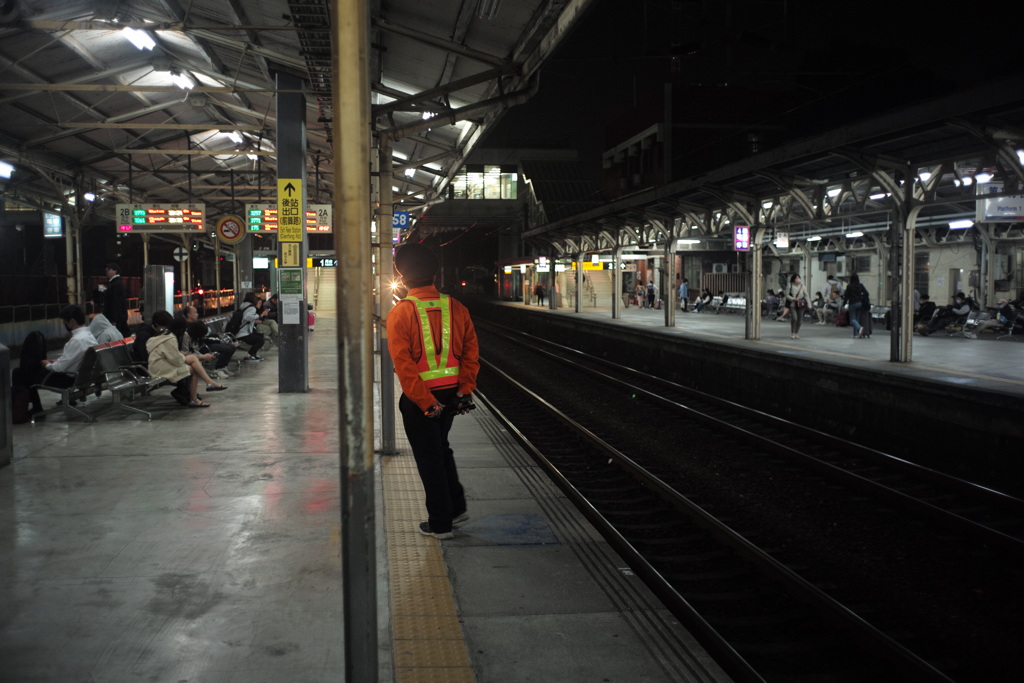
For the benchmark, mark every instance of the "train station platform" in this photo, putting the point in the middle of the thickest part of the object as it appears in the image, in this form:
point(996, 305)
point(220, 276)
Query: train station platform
point(204, 546)
point(984, 363)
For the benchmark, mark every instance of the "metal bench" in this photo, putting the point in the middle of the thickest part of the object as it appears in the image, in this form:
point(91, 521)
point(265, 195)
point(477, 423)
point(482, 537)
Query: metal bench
point(88, 380)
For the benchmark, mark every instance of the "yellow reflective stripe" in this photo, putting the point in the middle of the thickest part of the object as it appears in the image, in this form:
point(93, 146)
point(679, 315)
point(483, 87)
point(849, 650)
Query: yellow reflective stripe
point(433, 358)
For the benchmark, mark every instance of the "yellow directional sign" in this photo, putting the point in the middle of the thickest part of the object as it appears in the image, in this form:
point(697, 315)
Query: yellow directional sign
point(291, 255)
point(290, 219)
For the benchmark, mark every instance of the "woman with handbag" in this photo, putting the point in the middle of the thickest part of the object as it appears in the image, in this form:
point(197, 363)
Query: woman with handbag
point(796, 301)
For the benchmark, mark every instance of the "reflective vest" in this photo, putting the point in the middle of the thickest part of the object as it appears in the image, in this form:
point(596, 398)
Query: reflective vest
point(432, 372)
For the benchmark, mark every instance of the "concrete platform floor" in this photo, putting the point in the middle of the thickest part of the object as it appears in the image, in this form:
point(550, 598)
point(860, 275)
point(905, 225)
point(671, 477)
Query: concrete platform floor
point(204, 547)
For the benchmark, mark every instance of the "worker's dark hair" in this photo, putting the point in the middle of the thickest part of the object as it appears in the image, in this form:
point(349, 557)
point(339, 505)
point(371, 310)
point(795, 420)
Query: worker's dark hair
point(417, 264)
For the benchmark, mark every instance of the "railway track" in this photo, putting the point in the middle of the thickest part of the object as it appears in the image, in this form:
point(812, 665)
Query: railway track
point(761, 600)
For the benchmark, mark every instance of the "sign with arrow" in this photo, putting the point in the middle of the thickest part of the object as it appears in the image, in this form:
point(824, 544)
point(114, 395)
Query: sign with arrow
point(291, 223)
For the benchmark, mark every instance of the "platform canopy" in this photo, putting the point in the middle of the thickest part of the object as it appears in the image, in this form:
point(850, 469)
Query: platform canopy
point(111, 102)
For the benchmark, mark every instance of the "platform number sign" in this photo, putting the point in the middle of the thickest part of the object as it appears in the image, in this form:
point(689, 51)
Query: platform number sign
point(741, 238)
point(400, 220)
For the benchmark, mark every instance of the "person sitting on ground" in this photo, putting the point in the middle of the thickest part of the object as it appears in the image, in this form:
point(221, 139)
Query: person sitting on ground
point(104, 330)
point(247, 333)
point(57, 373)
point(222, 350)
point(167, 361)
point(946, 315)
point(1002, 316)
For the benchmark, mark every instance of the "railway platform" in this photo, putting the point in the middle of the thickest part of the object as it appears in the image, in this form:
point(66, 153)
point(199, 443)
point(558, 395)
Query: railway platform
point(205, 546)
point(985, 363)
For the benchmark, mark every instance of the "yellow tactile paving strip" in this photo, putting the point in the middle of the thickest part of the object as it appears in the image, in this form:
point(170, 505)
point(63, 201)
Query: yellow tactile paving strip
point(426, 634)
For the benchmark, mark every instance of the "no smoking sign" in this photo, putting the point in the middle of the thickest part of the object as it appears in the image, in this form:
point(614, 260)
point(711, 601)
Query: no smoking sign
point(230, 229)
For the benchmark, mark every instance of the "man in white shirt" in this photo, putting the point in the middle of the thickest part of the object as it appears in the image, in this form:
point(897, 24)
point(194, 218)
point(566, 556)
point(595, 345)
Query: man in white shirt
point(53, 372)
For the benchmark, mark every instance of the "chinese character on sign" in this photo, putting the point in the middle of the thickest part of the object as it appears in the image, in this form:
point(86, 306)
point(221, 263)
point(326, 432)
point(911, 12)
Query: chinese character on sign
point(741, 238)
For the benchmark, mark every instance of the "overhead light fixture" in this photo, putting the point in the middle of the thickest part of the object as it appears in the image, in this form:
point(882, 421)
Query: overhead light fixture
point(253, 157)
point(878, 195)
point(689, 241)
point(140, 39)
point(983, 178)
point(89, 197)
point(814, 238)
point(410, 172)
point(924, 177)
point(961, 225)
point(182, 80)
point(1020, 156)
point(834, 192)
point(595, 258)
point(6, 169)
point(854, 235)
point(235, 137)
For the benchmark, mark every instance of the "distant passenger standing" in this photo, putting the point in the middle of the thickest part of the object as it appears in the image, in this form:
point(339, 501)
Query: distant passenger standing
point(115, 301)
point(684, 295)
point(796, 301)
point(652, 293)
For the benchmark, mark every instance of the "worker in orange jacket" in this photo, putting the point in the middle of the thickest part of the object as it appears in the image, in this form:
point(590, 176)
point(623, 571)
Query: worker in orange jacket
point(434, 349)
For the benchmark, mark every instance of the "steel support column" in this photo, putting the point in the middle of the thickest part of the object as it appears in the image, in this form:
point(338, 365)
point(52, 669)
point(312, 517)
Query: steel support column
point(617, 302)
point(293, 362)
point(350, 103)
point(579, 281)
point(385, 267)
point(901, 265)
point(755, 285)
point(669, 291)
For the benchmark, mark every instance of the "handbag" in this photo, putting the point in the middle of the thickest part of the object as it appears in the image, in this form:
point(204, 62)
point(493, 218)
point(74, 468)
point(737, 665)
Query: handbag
point(801, 303)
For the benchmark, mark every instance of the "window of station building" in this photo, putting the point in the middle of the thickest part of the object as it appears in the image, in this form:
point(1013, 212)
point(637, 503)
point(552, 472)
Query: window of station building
point(477, 181)
point(921, 272)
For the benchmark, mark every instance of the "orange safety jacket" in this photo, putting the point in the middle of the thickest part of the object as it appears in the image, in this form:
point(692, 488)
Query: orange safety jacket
point(433, 345)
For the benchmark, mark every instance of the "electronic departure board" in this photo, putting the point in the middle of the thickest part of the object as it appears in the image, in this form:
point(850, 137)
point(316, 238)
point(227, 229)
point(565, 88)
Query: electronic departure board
point(161, 218)
point(263, 217)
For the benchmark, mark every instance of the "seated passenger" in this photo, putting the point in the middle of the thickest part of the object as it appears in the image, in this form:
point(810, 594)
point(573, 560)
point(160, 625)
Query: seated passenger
point(56, 373)
point(267, 323)
point(705, 299)
point(1003, 316)
point(946, 315)
point(821, 310)
point(926, 309)
point(770, 303)
point(221, 350)
point(104, 330)
point(723, 300)
point(167, 361)
point(189, 344)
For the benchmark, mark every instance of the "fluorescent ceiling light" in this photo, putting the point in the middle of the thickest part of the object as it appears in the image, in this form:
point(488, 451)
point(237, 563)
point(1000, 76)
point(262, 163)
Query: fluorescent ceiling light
point(814, 238)
point(410, 172)
point(879, 195)
point(967, 180)
point(140, 39)
point(5, 169)
point(1020, 156)
point(767, 205)
point(254, 157)
point(853, 235)
point(235, 137)
point(961, 225)
point(89, 197)
point(834, 191)
point(983, 178)
point(689, 241)
point(924, 177)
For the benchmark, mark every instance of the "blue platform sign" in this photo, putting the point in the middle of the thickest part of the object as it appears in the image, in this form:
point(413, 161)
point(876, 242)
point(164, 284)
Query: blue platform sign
point(52, 226)
point(400, 220)
point(741, 238)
